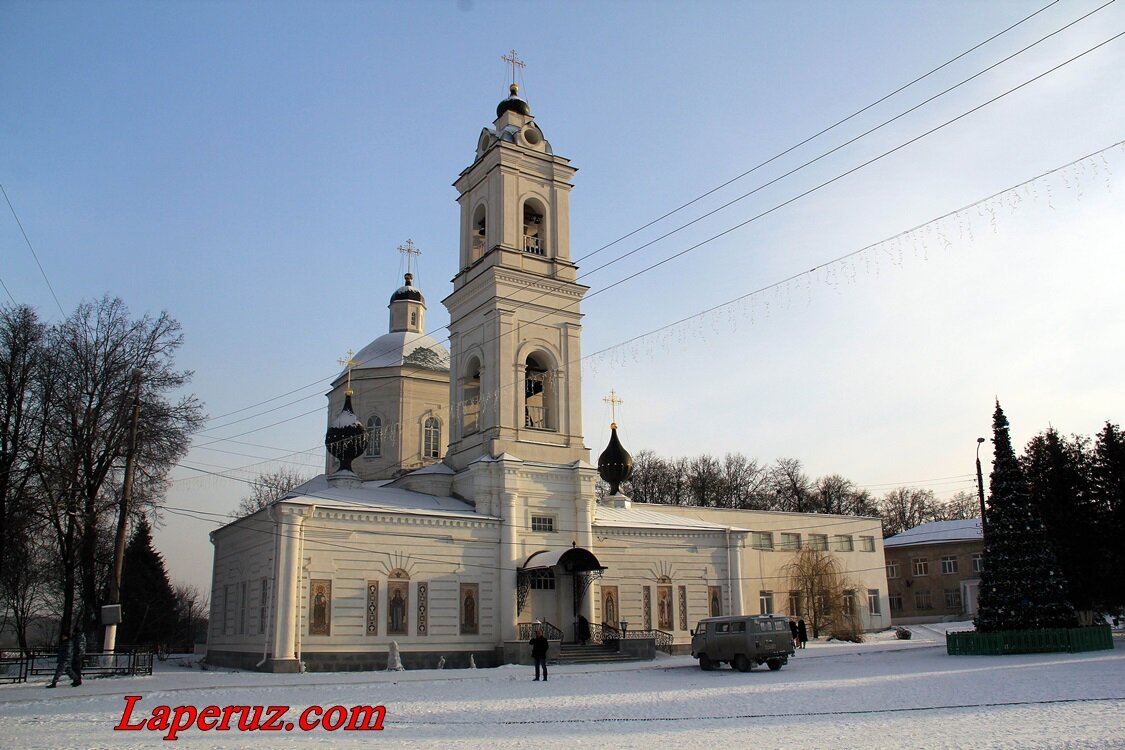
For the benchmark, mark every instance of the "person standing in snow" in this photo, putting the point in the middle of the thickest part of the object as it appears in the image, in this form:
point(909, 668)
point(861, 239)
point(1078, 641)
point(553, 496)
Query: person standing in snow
point(539, 647)
point(802, 633)
point(796, 634)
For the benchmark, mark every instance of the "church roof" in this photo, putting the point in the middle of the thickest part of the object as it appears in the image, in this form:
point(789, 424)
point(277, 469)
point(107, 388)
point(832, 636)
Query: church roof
point(636, 518)
point(403, 348)
point(937, 532)
point(376, 496)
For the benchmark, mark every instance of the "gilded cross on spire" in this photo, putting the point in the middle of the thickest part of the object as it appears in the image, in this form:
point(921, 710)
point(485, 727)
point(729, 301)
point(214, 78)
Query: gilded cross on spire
point(513, 59)
point(348, 363)
point(613, 401)
point(410, 252)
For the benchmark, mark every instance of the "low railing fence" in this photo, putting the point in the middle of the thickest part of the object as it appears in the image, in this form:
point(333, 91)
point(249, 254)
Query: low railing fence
point(527, 631)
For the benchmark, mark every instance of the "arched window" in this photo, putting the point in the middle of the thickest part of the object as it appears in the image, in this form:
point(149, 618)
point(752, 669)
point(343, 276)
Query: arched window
point(533, 240)
point(470, 398)
point(431, 439)
point(477, 235)
point(539, 394)
point(374, 437)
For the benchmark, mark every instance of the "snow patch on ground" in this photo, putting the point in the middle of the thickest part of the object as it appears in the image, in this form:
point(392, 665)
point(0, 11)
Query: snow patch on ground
point(878, 694)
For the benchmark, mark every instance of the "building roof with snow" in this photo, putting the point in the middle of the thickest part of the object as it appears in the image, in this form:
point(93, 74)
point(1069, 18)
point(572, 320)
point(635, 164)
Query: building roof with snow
point(938, 532)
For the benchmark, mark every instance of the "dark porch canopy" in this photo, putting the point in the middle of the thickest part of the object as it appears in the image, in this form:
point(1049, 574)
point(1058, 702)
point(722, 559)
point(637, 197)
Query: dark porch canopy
point(572, 560)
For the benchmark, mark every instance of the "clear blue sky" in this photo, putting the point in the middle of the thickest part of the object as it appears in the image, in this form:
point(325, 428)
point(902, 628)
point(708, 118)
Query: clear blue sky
point(252, 166)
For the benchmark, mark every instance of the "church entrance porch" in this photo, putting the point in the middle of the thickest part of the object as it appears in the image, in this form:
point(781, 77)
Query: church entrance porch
point(557, 585)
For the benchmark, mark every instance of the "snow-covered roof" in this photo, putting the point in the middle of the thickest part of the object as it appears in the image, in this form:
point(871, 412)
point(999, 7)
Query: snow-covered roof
point(937, 532)
point(376, 496)
point(403, 347)
point(635, 518)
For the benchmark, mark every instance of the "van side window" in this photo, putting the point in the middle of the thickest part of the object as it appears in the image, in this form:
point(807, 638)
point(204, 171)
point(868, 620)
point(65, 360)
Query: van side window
point(722, 627)
point(740, 627)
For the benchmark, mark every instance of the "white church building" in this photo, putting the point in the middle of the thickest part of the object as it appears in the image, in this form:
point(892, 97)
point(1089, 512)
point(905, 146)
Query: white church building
point(464, 513)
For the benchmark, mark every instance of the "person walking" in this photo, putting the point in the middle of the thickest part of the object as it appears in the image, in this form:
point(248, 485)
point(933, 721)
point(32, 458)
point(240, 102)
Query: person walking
point(796, 634)
point(802, 633)
point(69, 659)
point(539, 647)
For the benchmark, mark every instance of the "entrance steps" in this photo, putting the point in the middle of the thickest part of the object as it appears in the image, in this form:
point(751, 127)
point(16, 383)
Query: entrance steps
point(575, 653)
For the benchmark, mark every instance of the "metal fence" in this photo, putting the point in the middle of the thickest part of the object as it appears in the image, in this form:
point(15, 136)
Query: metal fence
point(1048, 640)
point(19, 667)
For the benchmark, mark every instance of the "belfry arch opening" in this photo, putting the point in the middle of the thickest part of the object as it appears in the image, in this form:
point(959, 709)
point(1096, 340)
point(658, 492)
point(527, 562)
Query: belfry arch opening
point(470, 398)
point(478, 234)
point(534, 241)
point(539, 410)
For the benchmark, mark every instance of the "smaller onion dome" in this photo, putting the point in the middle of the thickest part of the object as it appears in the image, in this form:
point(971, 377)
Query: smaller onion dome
point(615, 465)
point(346, 438)
point(513, 103)
point(407, 291)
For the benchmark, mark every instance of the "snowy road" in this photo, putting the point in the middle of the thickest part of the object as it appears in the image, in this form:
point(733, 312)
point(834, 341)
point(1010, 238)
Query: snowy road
point(881, 694)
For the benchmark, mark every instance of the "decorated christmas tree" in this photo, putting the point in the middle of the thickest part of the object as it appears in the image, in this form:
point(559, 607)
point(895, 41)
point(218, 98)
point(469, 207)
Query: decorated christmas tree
point(1022, 587)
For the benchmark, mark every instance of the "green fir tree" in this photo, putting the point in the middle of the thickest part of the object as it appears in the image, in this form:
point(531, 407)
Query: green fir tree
point(1022, 587)
point(148, 603)
point(1107, 488)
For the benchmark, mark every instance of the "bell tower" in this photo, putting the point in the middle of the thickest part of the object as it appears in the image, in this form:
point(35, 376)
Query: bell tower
point(515, 323)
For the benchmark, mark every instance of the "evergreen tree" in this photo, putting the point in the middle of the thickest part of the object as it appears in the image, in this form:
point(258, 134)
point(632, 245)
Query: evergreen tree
point(1022, 586)
point(1057, 471)
point(148, 602)
point(1107, 488)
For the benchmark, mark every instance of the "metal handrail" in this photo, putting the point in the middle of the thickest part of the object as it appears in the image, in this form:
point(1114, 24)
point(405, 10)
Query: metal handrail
point(662, 638)
point(527, 630)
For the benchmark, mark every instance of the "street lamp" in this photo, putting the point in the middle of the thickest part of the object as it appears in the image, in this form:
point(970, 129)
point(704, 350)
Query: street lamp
point(980, 485)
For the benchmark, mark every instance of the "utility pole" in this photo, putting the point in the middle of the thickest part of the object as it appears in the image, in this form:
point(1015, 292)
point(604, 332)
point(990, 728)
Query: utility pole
point(980, 486)
point(111, 618)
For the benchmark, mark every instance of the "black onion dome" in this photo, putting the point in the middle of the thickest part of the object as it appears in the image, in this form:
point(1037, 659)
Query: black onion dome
point(513, 104)
point(615, 465)
point(346, 438)
point(407, 291)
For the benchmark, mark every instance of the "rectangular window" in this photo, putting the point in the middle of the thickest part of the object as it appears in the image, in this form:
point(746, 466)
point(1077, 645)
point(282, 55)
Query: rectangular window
point(895, 600)
point(243, 606)
point(873, 602)
point(761, 539)
point(765, 602)
point(543, 523)
point(849, 602)
point(867, 543)
point(920, 566)
point(795, 608)
point(542, 580)
point(818, 541)
point(953, 598)
point(263, 605)
point(892, 568)
point(978, 562)
point(922, 600)
point(948, 565)
point(843, 543)
point(790, 541)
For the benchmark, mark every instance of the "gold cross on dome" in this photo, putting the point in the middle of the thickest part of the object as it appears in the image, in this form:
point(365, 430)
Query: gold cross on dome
point(613, 401)
point(348, 363)
point(410, 252)
point(513, 59)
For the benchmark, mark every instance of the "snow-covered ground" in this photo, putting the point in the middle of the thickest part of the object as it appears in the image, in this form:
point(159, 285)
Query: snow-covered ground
point(881, 694)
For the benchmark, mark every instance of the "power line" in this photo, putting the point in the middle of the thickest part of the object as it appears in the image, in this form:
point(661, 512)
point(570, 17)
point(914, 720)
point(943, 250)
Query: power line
point(783, 153)
point(33, 253)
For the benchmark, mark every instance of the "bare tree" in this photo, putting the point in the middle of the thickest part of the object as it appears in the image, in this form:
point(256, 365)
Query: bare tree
point(93, 355)
point(191, 609)
point(791, 488)
point(828, 594)
point(906, 507)
point(960, 506)
point(268, 488)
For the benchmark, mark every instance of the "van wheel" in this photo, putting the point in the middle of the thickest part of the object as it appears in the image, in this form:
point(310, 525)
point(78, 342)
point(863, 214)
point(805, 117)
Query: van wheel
point(774, 664)
point(741, 663)
point(705, 663)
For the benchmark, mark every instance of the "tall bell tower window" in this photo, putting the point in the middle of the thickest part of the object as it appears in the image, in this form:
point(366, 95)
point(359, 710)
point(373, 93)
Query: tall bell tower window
point(539, 394)
point(532, 229)
point(470, 398)
point(431, 438)
point(477, 235)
